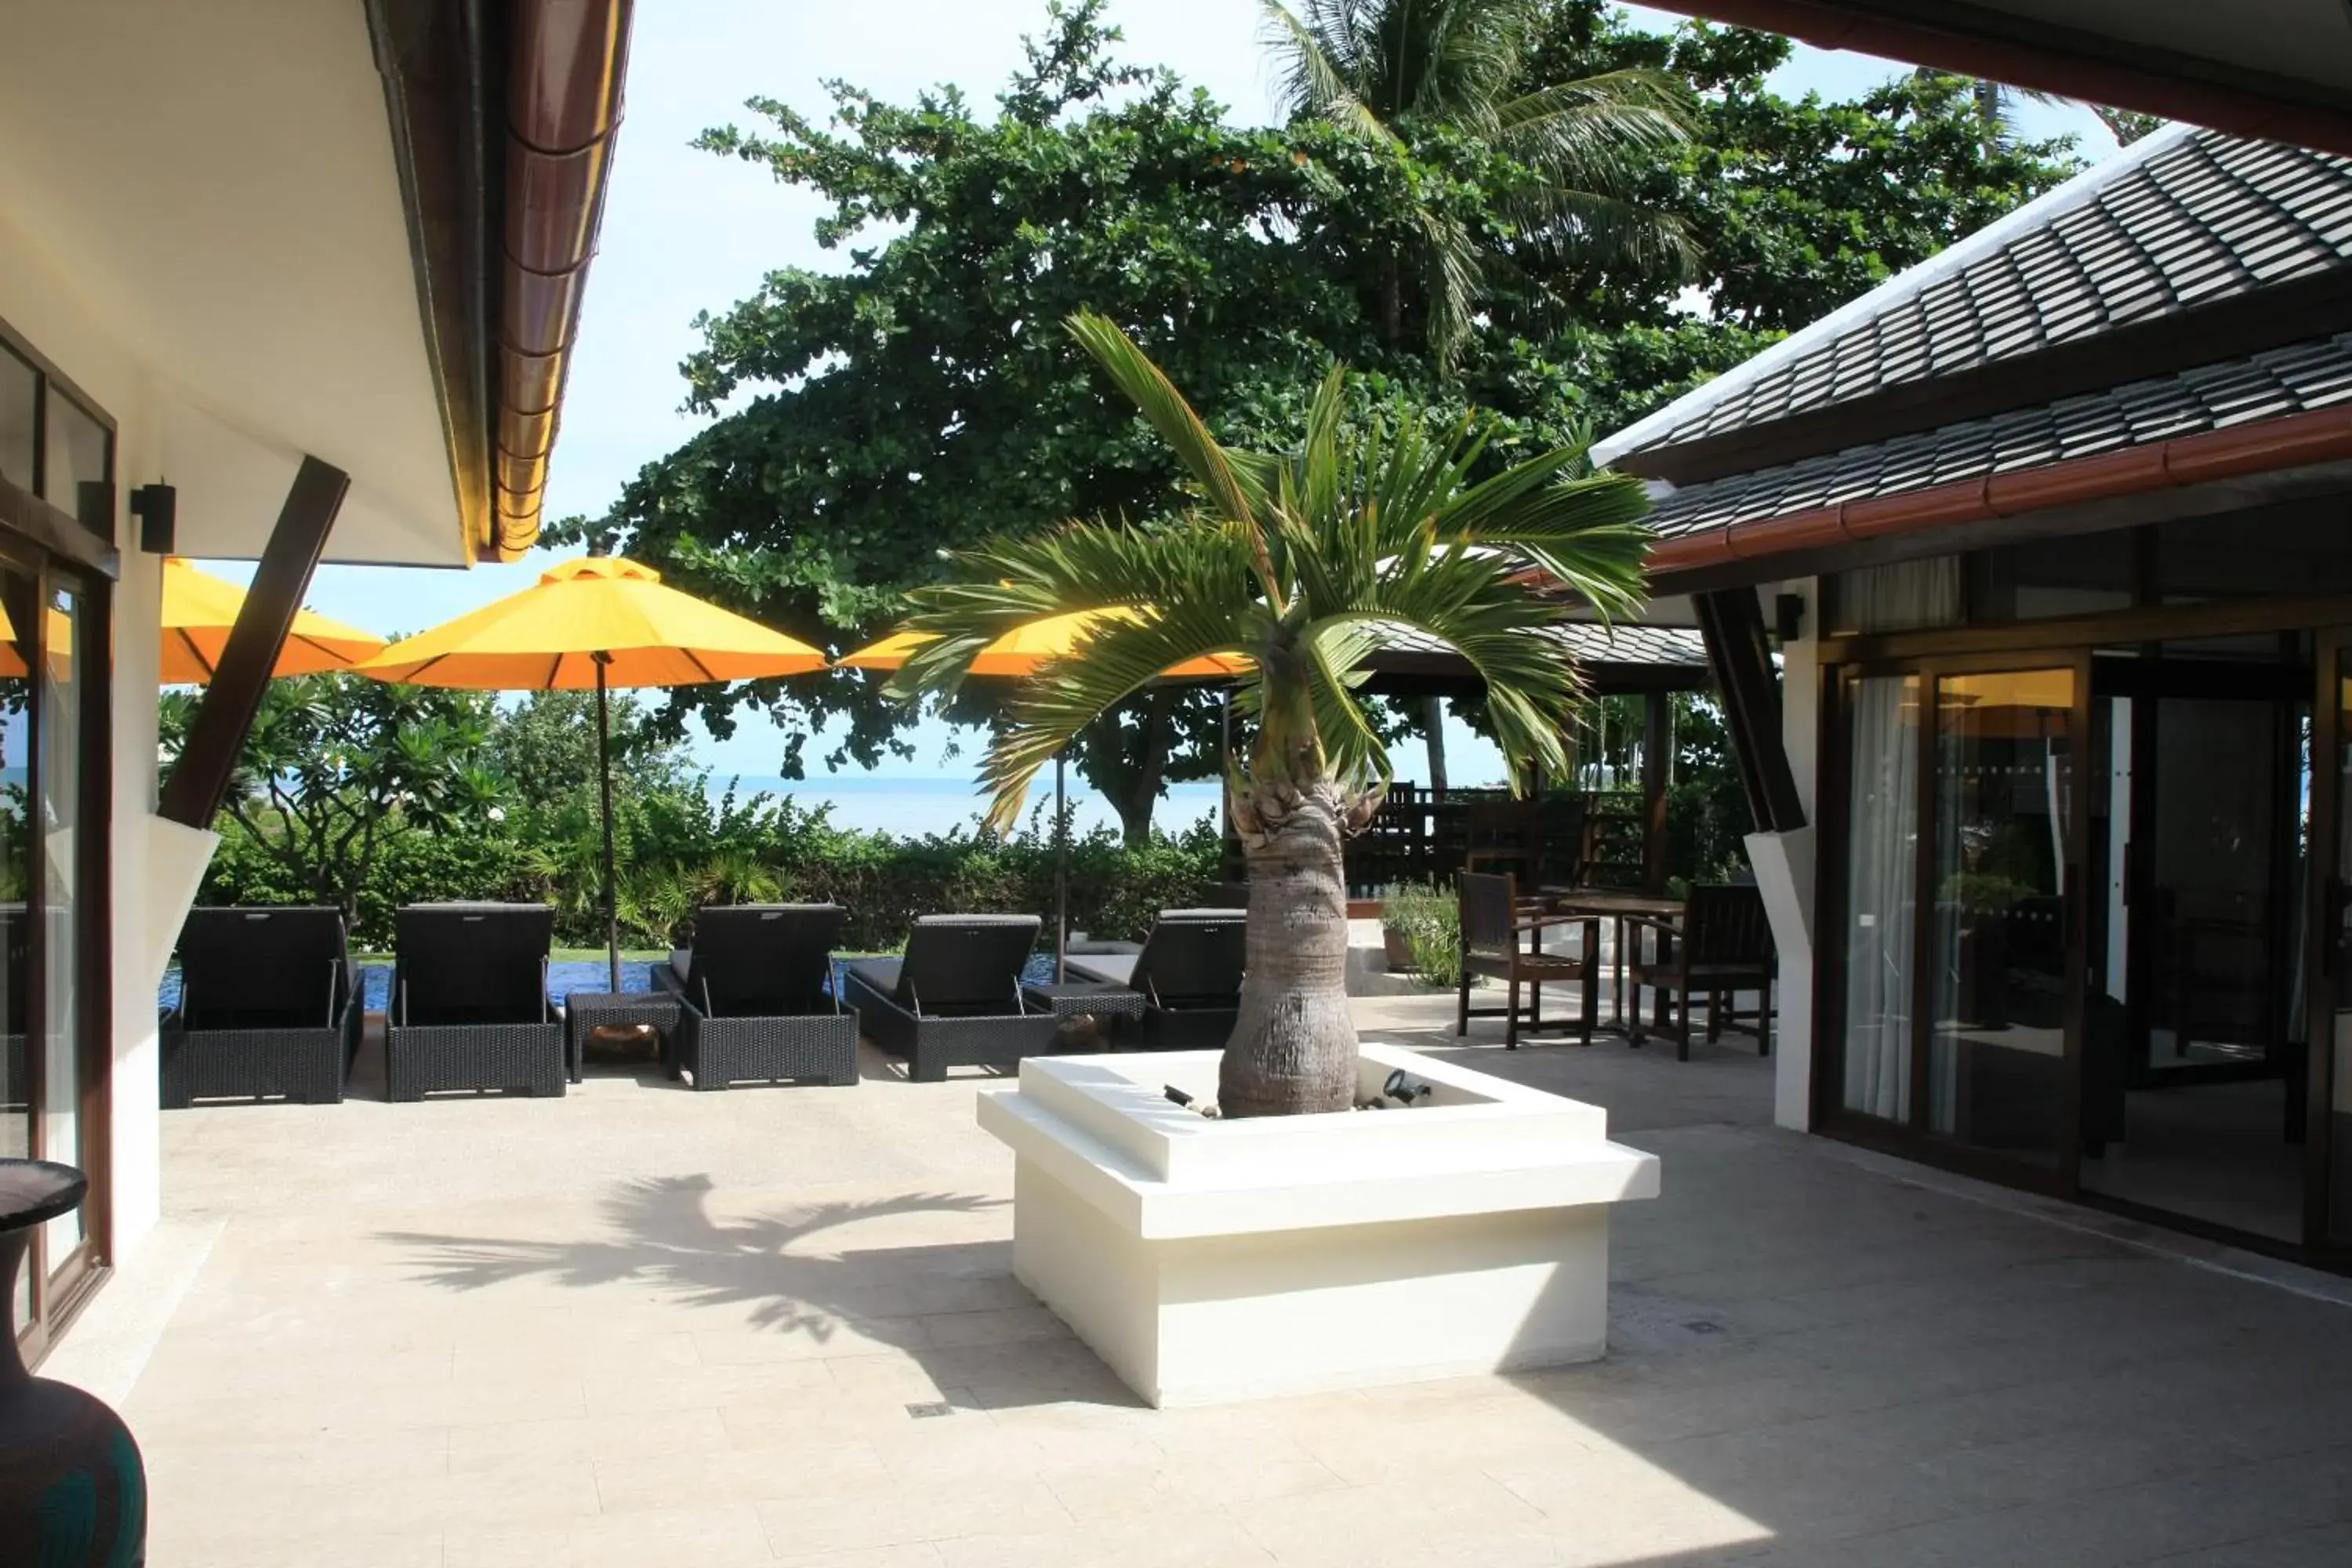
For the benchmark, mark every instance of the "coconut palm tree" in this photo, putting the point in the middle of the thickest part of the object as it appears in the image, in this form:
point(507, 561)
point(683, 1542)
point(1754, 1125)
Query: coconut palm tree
point(1391, 69)
point(1297, 560)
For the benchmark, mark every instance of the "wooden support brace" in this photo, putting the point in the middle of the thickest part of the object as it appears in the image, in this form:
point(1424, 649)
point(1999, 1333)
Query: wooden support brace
point(198, 785)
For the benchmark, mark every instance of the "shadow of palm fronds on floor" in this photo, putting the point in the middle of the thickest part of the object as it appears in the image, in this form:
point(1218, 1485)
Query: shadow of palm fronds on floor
point(832, 1274)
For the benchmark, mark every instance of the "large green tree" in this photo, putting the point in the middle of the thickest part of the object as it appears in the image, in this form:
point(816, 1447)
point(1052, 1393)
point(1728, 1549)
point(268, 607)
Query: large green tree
point(870, 419)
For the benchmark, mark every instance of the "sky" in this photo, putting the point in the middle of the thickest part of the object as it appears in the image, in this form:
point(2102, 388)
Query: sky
point(686, 231)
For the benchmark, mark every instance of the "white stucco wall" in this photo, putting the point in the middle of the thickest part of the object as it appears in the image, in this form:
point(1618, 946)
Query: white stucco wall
point(1800, 732)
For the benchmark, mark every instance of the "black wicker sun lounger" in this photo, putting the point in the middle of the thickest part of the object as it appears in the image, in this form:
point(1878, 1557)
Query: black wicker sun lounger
point(269, 1007)
point(955, 999)
point(755, 1003)
point(1190, 975)
point(468, 1005)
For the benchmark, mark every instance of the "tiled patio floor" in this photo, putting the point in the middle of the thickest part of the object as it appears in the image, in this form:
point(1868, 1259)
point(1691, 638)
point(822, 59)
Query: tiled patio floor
point(642, 1326)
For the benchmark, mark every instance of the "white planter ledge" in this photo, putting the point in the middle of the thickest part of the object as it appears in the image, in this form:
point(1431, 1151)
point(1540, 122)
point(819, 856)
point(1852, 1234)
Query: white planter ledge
point(1207, 1261)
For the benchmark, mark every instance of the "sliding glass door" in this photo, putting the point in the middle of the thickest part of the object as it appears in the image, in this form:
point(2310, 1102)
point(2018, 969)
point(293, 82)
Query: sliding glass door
point(1959, 857)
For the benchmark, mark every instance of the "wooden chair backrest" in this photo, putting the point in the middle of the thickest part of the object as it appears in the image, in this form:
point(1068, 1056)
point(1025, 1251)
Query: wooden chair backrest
point(1726, 925)
point(1488, 911)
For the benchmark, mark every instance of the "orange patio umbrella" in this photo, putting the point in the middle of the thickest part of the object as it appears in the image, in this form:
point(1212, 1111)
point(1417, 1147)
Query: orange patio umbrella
point(1024, 651)
point(200, 610)
point(598, 622)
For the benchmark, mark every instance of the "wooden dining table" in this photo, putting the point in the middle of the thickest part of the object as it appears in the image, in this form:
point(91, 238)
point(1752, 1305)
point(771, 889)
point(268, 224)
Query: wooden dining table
point(1619, 907)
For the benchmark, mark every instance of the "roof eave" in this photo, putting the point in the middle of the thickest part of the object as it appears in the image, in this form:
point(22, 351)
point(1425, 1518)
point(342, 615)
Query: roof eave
point(1796, 543)
point(504, 141)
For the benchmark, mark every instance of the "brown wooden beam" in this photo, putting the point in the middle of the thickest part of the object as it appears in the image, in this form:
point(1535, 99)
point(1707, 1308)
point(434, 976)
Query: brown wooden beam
point(198, 785)
point(1657, 712)
point(1732, 623)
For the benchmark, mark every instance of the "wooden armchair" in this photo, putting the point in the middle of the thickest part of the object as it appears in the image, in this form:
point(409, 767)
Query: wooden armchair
point(1494, 920)
point(1723, 945)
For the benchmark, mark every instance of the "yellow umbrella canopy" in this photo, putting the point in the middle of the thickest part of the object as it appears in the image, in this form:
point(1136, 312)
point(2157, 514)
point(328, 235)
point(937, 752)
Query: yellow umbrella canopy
point(12, 654)
point(199, 610)
point(1025, 650)
point(548, 638)
point(598, 622)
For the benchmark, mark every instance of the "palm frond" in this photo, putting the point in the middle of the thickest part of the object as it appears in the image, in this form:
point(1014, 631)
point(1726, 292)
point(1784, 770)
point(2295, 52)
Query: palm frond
point(1165, 410)
point(1312, 80)
point(1049, 709)
point(1605, 230)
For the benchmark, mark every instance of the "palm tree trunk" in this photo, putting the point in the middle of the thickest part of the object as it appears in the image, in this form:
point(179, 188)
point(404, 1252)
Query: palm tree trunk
point(1293, 1049)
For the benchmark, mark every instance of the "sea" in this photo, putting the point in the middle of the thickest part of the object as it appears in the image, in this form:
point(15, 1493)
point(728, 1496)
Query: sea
point(913, 807)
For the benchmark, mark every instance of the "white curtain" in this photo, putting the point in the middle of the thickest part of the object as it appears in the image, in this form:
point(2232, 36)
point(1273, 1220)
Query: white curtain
point(1901, 597)
point(1882, 876)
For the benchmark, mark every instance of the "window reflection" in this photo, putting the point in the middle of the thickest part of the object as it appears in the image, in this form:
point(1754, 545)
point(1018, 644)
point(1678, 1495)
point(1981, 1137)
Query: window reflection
point(76, 472)
point(63, 669)
point(20, 395)
point(2004, 791)
point(16, 814)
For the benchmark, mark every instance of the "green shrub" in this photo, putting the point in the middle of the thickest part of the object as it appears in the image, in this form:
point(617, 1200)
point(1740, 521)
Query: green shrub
point(676, 850)
point(1430, 920)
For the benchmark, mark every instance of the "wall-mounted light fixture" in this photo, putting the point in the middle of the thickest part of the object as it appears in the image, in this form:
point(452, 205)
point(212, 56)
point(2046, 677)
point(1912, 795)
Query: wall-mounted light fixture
point(157, 507)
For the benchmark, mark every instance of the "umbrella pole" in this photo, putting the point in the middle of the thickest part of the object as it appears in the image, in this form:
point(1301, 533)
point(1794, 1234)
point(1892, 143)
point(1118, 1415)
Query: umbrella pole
point(605, 784)
point(1061, 873)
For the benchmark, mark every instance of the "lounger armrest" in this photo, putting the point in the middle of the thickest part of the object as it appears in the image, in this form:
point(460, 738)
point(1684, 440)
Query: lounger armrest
point(354, 995)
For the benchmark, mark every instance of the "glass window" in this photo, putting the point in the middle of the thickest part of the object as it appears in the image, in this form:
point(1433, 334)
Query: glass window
point(16, 610)
point(80, 469)
point(1881, 877)
point(2305, 548)
point(2086, 574)
point(64, 668)
point(20, 392)
point(2004, 791)
point(1903, 596)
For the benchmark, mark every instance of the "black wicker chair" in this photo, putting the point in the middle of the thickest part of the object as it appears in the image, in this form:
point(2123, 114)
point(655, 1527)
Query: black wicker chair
point(755, 999)
point(269, 1007)
point(955, 999)
point(1190, 975)
point(469, 1008)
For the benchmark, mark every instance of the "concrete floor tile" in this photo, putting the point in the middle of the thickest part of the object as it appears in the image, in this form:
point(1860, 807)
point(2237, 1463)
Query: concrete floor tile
point(398, 1352)
point(938, 1510)
point(1197, 1539)
point(501, 1445)
point(917, 1555)
point(733, 1475)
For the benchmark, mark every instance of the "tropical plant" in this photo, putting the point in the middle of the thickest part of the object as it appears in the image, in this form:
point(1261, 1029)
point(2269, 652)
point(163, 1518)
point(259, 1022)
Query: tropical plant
point(338, 767)
point(1421, 73)
point(1296, 560)
point(1429, 920)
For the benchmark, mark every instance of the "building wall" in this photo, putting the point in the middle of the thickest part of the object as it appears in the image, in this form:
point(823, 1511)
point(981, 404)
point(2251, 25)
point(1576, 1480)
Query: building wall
point(37, 298)
point(1801, 690)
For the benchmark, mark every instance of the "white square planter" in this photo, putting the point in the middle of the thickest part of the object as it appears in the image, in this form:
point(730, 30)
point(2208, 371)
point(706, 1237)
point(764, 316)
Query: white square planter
point(1217, 1260)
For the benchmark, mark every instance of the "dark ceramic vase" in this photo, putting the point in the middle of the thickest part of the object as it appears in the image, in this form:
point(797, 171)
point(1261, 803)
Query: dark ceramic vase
point(73, 1493)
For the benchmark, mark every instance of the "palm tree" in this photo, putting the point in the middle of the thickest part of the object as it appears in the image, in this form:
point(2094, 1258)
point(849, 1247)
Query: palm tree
point(1297, 560)
point(1391, 68)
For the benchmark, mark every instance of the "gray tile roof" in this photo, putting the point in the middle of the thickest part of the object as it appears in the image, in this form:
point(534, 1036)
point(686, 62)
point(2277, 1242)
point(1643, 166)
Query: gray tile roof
point(2297, 379)
point(2152, 233)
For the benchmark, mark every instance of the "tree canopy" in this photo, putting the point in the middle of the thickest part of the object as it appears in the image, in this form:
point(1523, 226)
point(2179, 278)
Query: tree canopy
point(869, 422)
